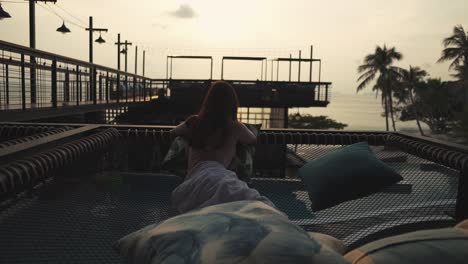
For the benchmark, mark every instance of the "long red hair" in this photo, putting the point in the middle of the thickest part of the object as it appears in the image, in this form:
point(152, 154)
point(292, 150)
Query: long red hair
point(218, 110)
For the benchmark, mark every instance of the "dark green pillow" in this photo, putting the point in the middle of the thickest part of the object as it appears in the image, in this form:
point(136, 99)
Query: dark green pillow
point(346, 174)
point(447, 245)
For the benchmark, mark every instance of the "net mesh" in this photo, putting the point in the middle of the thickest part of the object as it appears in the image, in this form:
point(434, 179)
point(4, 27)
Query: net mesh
point(78, 221)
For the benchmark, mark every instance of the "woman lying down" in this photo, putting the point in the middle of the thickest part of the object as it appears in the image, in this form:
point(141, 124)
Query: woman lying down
point(213, 135)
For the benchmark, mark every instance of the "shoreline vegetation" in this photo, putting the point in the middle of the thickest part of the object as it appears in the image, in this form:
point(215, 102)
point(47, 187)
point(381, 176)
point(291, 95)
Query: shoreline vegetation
point(306, 121)
point(411, 94)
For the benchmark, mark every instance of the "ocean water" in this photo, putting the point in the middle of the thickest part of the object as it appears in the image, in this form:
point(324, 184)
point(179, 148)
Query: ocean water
point(359, 112)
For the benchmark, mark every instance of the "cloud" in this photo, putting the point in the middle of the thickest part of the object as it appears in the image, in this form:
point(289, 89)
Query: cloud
point(427, 65)
point(184, 11)
point(160, 26)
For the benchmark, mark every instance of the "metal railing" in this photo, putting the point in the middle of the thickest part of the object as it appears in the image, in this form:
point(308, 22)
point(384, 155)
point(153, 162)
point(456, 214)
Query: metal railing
point(258, 92)
point(32, 79)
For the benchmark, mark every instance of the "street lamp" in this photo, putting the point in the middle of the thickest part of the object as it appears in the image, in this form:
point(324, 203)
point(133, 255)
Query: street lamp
point(3, 13)
point(100, 40)
point(91, 30)
point(63, 29)
point(123, 51)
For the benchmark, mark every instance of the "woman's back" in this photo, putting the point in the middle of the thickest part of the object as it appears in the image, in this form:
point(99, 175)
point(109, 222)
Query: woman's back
point(223, 153)
point(213, 135)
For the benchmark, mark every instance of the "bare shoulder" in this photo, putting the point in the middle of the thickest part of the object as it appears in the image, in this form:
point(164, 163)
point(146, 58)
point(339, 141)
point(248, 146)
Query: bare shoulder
point(244, 134)
point(238, 126)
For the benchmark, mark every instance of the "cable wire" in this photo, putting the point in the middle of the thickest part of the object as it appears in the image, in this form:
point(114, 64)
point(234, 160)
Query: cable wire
point(47, 8)
point(70, 14)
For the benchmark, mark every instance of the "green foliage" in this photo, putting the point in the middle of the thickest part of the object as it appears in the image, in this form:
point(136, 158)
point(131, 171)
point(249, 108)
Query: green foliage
point(313, 122)
point(436, 103)
point(443, 106)
point(456, 51)
point(378, 66)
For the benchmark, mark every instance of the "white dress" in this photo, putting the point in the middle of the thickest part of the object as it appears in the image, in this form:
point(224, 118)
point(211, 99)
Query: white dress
point(210, 183)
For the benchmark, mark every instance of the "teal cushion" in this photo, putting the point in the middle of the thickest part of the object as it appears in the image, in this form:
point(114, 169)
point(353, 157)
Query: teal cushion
point(346, 174)
point(447, 245)
point(237, 232)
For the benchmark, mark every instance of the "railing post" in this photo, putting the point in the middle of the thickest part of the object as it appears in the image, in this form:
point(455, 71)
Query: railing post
point(23, 84)
point(318, 87)
point(299, 69)
point(88, 91)
point(144, 90)
point(100, 87)
point(107, 87)
point(78, 85)
point(461, 211)
point(118, 87)
point(126, 88)
point(326, 92)
point(150, 90)
point(66, 87)
point(7, 86)
point(54, 83)
point(320, 71)
point(134, 88)
point(32, 79)
point(93, 84)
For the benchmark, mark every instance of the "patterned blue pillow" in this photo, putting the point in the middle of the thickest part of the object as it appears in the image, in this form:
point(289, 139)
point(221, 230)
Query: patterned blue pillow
point(238, 232)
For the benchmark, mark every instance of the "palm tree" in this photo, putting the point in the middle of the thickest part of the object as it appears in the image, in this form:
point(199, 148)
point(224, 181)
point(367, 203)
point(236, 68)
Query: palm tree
point(379, 65)
point(456, 50)
point(410, 79)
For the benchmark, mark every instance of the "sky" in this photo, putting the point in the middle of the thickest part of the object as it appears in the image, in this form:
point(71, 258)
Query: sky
point(341, 31)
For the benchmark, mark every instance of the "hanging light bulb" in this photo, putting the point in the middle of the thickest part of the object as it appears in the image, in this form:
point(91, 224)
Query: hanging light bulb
point(100, 40)
point(124, 50)
point(63, 29)
point(3, 13)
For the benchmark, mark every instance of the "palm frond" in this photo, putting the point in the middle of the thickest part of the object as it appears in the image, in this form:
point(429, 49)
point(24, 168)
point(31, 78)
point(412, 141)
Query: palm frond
point(367, 74)
point(458, 37)
point(451, 54)
point(364, 83)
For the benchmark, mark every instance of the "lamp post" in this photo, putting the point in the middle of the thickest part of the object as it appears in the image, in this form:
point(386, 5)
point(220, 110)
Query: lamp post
point(100, 40)
point(32, 44)
point(123, 51)
point(144, 62)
